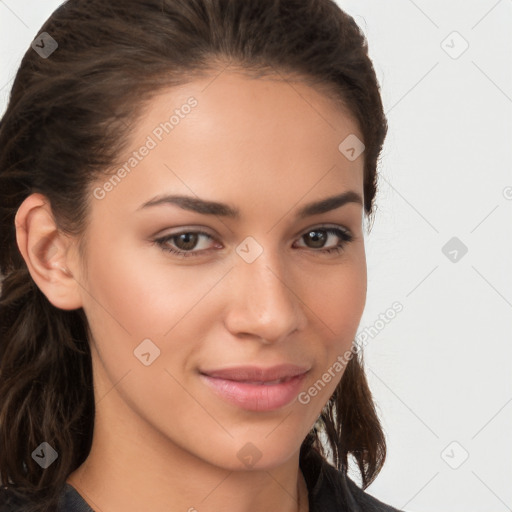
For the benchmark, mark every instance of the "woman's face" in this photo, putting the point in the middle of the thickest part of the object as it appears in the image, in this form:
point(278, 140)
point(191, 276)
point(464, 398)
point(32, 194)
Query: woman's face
point(255, 290)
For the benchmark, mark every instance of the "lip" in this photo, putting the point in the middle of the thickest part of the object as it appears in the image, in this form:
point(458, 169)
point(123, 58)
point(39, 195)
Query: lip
point(256, 388)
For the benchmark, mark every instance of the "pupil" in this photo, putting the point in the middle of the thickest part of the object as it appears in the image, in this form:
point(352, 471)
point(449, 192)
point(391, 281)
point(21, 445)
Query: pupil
point(190, 240)
point(317, 239)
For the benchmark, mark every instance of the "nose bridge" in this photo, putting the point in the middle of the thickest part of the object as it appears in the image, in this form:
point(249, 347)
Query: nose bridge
point(263, 302)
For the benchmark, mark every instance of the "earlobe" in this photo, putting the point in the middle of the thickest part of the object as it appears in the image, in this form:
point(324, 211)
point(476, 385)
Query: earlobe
point(45, 250)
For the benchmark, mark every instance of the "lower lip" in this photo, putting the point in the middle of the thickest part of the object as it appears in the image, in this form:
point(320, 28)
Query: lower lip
point(256, 397)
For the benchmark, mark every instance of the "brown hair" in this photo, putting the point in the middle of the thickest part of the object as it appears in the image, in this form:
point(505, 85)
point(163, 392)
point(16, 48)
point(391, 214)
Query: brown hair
point(68, 118)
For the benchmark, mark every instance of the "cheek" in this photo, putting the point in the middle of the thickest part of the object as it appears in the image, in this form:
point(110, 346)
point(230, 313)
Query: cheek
point(130, 300)
point(338, 307)
point(135, 296)
point(338, 313)
point(343, 300)
point(339, 299)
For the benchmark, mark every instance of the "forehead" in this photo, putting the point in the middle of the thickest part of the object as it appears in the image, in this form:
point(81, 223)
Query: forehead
point(228, 135)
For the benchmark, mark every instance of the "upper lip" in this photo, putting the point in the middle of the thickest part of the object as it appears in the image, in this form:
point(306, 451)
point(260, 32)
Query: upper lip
point(257, 373)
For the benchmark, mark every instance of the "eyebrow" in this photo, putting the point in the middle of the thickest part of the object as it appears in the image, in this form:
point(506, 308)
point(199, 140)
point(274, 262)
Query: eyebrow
point(205, 207)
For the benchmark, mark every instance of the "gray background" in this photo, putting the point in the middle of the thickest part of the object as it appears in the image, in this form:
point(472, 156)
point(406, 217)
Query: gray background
point(440, 369)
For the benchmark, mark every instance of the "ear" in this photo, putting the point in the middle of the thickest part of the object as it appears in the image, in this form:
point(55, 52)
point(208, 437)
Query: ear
point(48, 252)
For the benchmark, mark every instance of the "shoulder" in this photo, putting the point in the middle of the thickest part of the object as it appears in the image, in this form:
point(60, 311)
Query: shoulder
point(12, 500)
point(367, 502)
point(331, 490)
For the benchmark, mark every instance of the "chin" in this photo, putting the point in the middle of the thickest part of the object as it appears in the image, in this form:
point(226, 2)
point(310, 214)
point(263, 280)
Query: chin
point(260, 454)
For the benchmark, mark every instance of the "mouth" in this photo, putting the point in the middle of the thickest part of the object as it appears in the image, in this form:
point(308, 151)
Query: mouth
point(255, 388)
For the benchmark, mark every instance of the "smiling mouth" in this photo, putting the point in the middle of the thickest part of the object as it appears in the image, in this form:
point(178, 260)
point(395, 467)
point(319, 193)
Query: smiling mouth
point(255, 388)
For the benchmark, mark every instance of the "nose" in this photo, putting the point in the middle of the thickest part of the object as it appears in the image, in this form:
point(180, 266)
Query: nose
point(263, 301)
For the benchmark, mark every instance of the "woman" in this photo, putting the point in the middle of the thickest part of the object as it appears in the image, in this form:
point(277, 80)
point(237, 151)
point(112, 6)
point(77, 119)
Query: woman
point(184, 185)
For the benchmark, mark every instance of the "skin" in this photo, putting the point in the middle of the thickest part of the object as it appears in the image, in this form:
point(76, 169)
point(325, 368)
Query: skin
point(162, 439)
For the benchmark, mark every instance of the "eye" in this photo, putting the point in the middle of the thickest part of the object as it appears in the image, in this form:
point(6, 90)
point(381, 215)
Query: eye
point(185, 241)
point(320, 235)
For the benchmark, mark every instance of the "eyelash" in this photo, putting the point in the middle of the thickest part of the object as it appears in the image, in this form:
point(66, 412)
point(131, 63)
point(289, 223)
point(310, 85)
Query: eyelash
point(345, 235)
